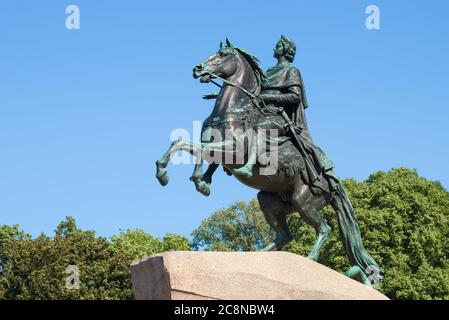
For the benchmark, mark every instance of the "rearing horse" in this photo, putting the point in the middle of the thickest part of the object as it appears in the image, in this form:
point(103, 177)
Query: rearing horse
point(281, 193)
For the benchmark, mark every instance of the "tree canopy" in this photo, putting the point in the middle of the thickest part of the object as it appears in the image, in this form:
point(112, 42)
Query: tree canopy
point(241, 227)
point(137, 244)
point(404, 221)
point(40, 268)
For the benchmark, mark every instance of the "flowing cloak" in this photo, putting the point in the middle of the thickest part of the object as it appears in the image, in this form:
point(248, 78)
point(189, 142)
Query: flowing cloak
point(285, 80)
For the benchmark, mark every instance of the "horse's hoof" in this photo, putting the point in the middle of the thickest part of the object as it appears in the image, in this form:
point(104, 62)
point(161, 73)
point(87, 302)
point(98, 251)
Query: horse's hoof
point(372, 276)
point(163, 178)
point(203, 188)
point(200, 185)
point(270, 247)
point(161, 175)
point(356, 273)
point(207, 179)
point(312, 257)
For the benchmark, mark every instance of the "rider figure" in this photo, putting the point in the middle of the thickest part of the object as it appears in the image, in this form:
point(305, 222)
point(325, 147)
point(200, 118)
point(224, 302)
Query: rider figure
point(283, 88)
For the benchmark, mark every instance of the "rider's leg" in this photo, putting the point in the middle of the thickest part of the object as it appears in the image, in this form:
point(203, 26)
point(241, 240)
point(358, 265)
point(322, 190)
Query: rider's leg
point(247, 169)
point(308, 205)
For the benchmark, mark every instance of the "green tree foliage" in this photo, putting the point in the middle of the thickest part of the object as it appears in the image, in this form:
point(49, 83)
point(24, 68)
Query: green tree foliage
point(137, 244)
point(10, 233)
point(404, 220)
point(36, 269)
point(241, 227)
point(175, 242)
point(7, 234)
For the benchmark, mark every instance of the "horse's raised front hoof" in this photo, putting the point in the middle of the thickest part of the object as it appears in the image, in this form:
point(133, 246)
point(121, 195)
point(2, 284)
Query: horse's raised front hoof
point(161, 175)
point(203, 188)
point(207, 178)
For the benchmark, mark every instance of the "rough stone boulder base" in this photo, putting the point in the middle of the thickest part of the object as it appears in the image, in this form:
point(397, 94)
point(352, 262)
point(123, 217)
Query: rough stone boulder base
point(241, 275)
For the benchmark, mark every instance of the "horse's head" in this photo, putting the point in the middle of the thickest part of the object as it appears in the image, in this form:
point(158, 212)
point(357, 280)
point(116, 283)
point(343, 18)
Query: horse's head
point(224, 64)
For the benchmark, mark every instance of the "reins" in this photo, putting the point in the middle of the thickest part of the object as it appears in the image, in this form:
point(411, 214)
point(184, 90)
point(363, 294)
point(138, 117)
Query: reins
point(264, 108)
point(250, 94)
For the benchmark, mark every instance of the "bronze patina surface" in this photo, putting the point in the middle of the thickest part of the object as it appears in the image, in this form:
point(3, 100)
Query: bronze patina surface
point(303, 181)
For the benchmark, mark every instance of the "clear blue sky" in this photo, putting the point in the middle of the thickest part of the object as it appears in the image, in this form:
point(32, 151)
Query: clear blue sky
point(84, 114)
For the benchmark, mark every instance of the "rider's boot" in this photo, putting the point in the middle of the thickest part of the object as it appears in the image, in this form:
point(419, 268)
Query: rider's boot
point(247, 169)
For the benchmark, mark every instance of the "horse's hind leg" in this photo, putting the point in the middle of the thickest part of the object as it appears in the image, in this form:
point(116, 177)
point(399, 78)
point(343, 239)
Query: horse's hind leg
point(275, 212)
point(308, 206)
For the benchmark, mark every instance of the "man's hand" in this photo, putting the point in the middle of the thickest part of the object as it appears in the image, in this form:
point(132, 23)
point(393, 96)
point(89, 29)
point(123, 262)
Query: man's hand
point(210, 96)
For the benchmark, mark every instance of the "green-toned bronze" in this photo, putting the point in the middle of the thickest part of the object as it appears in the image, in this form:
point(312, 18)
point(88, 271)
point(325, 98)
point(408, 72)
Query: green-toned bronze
point(303, 179)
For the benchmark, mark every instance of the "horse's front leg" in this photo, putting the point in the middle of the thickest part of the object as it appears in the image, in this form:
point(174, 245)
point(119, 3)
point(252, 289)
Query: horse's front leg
point(207, 176)
point(203, 181)
point(192, 148)
point(201, 185)
point(197, 177)
point(161, 164)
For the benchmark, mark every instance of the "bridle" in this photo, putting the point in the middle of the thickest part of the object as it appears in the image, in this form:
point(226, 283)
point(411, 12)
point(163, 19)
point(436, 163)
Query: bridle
point(264, 109)
point(247, 92)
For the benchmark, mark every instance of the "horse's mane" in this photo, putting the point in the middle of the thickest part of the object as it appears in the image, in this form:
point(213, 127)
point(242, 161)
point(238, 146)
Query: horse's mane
point(254, 63)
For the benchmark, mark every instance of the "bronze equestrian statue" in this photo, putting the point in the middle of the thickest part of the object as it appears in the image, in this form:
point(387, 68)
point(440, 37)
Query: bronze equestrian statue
point(298, 176)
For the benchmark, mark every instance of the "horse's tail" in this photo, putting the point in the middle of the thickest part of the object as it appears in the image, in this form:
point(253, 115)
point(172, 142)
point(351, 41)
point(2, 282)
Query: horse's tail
point(368, 269)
